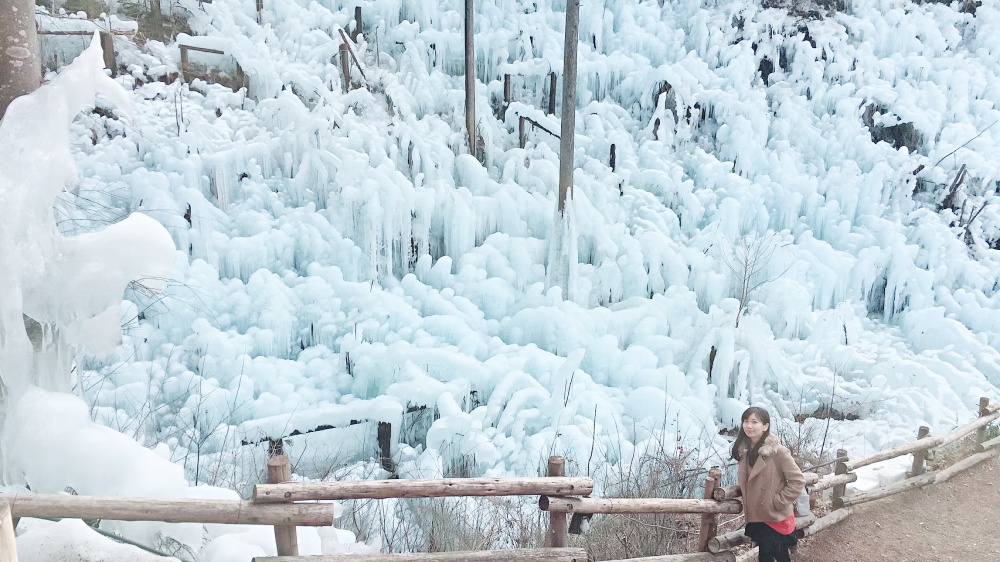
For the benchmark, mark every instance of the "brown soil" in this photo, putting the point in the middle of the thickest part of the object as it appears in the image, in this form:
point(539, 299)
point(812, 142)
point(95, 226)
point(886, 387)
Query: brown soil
point(955, 521)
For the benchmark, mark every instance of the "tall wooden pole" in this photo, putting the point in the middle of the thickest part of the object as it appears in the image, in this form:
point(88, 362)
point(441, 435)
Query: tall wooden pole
point(470, 78)
point(568, 131)
point(20, 63)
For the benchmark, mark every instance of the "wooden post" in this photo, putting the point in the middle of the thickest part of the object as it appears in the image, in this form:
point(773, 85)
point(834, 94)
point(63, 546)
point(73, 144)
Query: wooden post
point(357, 24)
point(108, 46)
point(521, 132)
point(279, 470)
point(470, 77)
point(184, 61)
point(556, 536)
point(551, 108)
point(8, 548)
point(345, 67)
point(919, 457)
point(385, 447)
point(709, 521)
point(839, 489)
point(984, 410)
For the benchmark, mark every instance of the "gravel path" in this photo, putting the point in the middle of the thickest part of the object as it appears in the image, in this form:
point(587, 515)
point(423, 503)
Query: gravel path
point(955, 521)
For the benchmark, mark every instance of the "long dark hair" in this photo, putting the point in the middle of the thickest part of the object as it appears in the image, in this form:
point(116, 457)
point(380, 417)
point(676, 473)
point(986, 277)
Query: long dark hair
point(742, 442)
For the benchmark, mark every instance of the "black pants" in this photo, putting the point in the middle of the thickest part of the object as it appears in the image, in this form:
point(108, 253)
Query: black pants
point(774, 547)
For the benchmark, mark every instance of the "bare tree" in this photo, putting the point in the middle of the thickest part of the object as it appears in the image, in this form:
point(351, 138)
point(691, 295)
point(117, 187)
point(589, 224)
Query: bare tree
point(20, 63)
point(749, 260)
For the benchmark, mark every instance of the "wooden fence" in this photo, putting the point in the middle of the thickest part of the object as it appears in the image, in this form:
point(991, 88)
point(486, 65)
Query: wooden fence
point(276, 503)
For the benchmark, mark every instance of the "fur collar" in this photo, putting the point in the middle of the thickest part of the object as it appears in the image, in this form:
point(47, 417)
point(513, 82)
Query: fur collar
point(770, 447)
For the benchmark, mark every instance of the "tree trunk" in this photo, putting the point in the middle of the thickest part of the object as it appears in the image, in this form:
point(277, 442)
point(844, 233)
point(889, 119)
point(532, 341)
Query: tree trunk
point(20, 63)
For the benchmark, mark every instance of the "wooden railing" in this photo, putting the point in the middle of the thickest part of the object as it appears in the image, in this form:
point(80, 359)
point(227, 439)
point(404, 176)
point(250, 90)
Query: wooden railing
point(276, 503)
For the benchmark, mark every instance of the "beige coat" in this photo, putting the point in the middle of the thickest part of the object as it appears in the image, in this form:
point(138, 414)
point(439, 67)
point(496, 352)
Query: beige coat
point(771, 487)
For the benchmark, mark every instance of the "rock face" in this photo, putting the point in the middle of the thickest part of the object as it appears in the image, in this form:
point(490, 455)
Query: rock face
point(898, 134)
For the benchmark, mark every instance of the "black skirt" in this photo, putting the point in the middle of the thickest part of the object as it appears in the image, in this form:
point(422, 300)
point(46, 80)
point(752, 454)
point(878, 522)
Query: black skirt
point(762, 533)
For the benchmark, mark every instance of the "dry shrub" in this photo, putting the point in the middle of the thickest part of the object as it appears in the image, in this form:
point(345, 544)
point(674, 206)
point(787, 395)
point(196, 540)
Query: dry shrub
point(654, 475)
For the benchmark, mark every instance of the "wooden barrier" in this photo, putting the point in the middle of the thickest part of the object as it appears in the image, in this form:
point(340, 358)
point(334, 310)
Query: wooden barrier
point(519, 555)
point(440, 488)
point(927, 442)
point(274, 503)
point(234, 512)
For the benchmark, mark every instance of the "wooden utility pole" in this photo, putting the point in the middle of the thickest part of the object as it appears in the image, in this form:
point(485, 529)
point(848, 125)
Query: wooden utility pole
point(20, 63)
point(567, 133)
point(470, 78)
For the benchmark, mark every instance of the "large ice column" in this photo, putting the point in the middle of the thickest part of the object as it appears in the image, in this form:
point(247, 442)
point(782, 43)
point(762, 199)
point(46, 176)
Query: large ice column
point(70, 287)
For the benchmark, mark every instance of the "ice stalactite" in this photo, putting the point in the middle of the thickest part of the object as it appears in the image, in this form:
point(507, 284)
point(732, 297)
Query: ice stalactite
point(62, 292)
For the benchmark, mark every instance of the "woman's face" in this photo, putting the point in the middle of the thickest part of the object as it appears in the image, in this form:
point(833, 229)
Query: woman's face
point(754, 428)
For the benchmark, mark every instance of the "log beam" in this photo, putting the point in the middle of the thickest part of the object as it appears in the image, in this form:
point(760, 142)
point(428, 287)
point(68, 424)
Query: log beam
point(167, 510)
point(885, 491)
point(519, 555)
point(964, 464)
point(834, 480)
point(691, 557)
point(637, 505)
point(439, 488)
point(735, 538)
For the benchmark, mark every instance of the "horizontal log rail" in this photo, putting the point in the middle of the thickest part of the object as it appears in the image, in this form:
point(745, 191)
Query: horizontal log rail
point(519, 555)
point(832, 480)
point(637, 505)
point(83, 32)
point(986, 445)
point(691, 557)
point(735, 538)
point(235, 512)
point(964, 464)
point(445, 487)
point(733, 492)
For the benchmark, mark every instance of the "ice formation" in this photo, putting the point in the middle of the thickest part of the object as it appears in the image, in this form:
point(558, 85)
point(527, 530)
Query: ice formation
point(343, 254)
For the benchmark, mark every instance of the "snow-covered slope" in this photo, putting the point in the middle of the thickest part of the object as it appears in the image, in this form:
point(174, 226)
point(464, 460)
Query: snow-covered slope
point(343, 258)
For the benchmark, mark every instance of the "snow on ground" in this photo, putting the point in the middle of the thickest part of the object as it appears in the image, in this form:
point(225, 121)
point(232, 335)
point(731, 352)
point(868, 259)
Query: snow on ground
point(342, 259)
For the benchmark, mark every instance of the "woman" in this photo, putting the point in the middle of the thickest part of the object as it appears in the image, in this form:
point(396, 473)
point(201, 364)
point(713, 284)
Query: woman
point(770, 482)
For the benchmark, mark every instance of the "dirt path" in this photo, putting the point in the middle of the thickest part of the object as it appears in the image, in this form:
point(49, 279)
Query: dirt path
point(953, 521)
